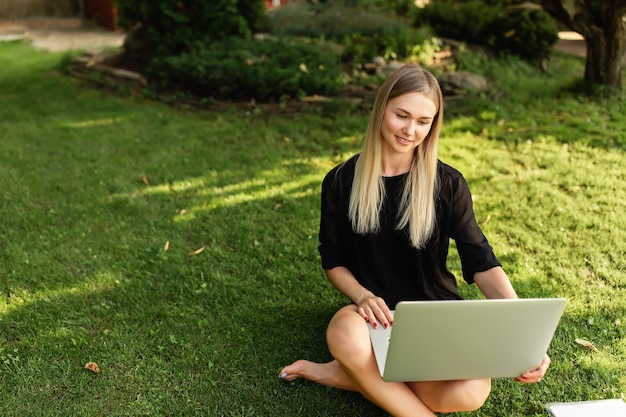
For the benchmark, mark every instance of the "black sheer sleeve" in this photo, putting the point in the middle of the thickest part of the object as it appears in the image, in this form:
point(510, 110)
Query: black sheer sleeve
point(474, 250)
point(334, 222)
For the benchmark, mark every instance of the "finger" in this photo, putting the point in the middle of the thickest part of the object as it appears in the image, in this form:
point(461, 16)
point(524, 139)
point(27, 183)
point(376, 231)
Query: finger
point(373, 320)
point(375, 311)
point(388, 314)
point(532, 376)
point(385, 318)
point(381, 312)
point(379, 317)
point(361, 312)
point(368, 316)
point(528, 380)
point(540, 372)
point(543, 368)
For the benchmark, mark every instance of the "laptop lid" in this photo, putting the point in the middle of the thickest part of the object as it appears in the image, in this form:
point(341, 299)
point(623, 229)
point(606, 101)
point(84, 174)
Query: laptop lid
point(466, 339)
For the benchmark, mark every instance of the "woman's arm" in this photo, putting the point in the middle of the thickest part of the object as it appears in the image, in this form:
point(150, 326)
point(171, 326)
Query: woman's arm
point(494, 283)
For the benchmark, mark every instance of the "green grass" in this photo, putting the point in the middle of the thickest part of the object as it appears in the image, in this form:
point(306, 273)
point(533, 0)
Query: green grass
point(85, 277)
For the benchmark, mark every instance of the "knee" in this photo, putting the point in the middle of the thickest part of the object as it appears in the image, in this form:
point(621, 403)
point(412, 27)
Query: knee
point(473, 395)
point(454, 396)
point(347, 337)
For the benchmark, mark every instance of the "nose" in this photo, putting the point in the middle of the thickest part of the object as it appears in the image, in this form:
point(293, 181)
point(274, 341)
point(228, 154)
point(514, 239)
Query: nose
point(409, 127)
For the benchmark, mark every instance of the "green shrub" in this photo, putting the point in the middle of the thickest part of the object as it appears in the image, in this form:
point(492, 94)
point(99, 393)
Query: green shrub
point(528, 33)
point(171, 26)
point(244, 69)
point(364, 34)
point(469, 21)
point(398, 7)
point(517, 29)
point(296, 19)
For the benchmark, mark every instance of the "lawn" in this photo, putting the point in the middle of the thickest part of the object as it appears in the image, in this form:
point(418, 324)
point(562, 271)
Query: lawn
point(178, 250)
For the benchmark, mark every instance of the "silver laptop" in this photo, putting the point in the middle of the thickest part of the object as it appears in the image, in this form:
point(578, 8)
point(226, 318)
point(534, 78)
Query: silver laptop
point(465, 339)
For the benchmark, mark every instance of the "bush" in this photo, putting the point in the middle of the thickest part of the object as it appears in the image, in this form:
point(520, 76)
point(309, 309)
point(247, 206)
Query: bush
point(171, 26)
point(528, 32)
point(469, 21)
point(364, 34)
point(398, 7)
point(244, 69)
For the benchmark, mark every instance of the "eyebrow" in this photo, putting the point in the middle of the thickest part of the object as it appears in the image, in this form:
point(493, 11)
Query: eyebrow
point(408, 112)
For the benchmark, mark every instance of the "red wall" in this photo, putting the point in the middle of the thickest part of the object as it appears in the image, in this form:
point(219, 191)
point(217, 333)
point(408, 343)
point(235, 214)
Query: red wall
point(102, 12)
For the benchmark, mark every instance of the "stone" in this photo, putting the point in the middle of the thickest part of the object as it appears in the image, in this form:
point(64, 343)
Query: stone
point(461, 82)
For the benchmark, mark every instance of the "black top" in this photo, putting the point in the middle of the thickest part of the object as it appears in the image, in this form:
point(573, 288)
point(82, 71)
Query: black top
point(386, 263)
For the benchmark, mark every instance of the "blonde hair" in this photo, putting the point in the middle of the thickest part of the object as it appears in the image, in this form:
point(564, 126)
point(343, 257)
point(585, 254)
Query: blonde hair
point(417, 205)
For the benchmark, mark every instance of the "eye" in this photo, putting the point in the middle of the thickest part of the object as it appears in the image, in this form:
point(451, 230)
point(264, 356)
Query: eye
point(402, 116)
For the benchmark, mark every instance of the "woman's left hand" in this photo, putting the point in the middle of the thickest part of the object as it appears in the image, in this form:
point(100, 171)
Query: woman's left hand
point(537, 374)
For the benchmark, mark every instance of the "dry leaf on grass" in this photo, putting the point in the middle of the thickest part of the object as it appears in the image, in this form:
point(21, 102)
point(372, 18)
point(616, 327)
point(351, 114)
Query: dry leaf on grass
point(182, 212)
point(587, 344)
point(92, 366)
point(197, 251)
point(167, 246)
point(144, 179)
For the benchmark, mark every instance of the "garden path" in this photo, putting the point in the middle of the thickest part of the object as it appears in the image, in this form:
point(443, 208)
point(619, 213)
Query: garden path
point(58, 35)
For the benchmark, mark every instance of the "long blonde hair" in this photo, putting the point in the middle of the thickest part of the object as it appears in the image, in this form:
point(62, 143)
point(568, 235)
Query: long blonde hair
point(417, 205)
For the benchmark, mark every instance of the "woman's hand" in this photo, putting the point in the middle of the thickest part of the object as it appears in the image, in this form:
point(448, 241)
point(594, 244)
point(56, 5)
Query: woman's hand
point(537, 374)
point(374, 310)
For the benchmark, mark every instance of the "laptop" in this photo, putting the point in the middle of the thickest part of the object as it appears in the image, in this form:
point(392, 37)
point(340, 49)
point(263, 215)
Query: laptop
point(615, 407)
point(465, 339)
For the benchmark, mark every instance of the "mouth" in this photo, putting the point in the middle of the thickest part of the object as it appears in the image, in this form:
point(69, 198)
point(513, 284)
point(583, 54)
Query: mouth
point(403, 141)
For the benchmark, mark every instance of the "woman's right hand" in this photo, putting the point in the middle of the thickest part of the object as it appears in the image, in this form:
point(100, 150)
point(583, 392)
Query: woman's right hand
point(374, 310)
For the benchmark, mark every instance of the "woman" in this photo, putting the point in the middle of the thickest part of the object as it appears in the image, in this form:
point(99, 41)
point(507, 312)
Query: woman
point(387, 216)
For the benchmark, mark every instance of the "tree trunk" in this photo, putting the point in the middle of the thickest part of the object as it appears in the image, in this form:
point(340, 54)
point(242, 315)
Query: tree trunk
point(603, 25)
point(606, 52)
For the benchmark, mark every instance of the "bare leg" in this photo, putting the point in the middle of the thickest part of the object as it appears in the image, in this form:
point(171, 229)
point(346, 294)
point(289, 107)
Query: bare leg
point(349, 343)
point(355, 369)
point(452, 396)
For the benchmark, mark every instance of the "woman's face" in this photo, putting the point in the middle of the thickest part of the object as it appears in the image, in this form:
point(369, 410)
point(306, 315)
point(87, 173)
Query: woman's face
point(406, 122)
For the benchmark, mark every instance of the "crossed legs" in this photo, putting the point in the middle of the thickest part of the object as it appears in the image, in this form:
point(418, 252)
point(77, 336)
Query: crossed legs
point(355, 369)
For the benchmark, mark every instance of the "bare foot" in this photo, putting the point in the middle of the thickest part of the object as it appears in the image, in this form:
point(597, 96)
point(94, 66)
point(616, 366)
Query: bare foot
point(330, 374)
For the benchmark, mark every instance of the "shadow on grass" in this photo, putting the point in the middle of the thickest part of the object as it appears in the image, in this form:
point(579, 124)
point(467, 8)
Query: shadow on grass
point(163, 347)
